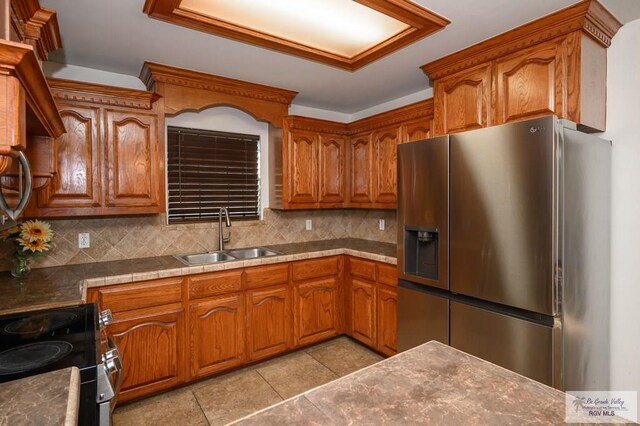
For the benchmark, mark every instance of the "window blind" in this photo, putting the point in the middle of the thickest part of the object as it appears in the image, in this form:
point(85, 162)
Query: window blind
point(207, 170)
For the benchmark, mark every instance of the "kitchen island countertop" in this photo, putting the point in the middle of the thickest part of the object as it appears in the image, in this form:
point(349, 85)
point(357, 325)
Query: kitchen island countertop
point(430, 384)
point(46, 399)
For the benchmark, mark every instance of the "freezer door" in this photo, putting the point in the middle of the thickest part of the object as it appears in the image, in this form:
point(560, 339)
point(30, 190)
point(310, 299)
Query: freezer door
point(423, 212)
point(516, 344)
point(503, 215)
point(422, 317)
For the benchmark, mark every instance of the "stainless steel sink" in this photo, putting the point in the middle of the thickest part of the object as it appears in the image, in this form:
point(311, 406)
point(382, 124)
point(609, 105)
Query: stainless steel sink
point(224, 256)
point(204, 258)
point(252, 253)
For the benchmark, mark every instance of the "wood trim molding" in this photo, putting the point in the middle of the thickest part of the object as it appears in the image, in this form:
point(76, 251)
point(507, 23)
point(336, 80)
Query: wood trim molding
point(19, 60)
point(587, 16)
point(37, 26)
point(186, 90)
point(69, 90)
point(421, 109)
point(421, 21)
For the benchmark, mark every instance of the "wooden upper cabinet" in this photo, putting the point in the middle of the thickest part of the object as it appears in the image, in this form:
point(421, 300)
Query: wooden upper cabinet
point(269, 328)
point(462, 101)
point(132, 159)
point(332, 169)
point(78, 177)
point(385, 142)
point(111, 160)
point(217, 334)
point(416, 130)
point(530, 83)
point(303, 167)
point(361, 169)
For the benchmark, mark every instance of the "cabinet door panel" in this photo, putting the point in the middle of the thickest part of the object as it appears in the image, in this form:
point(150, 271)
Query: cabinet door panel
point(416, 130)
point(387, 313)
point(153, 350)
point(316, 310)
point(363, 311)
point(385, 142)
point(529, 84)
point(332, 169)
point(76, 182)
point(269, 328)
point(462, 101)
point(217, 334)
point(132, 160)
point(361, 165)
point(303, 162)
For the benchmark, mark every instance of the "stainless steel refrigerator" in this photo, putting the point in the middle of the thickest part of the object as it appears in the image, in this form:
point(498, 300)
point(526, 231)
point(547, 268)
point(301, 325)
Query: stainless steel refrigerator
point(504, 248)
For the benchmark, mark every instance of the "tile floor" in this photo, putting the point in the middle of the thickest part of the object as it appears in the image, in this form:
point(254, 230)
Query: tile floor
point(228, 397)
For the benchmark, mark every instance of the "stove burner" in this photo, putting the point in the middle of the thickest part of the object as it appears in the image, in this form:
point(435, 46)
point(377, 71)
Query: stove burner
point(30, 357)
point(40, 323)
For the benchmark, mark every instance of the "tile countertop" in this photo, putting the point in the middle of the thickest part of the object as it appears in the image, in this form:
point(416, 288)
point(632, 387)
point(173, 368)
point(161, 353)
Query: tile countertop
point(430, 384)
point(67, 285)
point(46, 399)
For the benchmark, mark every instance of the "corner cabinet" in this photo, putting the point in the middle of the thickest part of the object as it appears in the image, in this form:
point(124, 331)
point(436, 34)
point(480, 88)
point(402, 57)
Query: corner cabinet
point(269, 329)
point(111, 160)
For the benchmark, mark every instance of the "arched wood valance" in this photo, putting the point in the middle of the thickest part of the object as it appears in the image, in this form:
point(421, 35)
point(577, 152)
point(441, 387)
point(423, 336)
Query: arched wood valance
point(185, 90)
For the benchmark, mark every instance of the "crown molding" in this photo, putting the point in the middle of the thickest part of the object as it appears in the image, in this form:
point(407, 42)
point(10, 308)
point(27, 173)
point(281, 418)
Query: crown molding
point(76, 91)
point(587, 16)
point(37, 26)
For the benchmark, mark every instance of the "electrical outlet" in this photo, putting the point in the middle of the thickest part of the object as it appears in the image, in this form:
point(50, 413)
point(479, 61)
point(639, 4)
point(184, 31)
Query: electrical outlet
point(309, 225)
point(381, 224)
point(83, 240)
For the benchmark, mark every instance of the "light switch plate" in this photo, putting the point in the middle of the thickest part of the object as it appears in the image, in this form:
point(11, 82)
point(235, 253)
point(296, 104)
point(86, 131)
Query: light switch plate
point(83, 240)
point(309, 225)
point(381, 224)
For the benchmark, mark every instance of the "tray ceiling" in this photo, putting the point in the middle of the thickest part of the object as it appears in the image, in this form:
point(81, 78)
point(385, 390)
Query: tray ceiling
point(346, 34)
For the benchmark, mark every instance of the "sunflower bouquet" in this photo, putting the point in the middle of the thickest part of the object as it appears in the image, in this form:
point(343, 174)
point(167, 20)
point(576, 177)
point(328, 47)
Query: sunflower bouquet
point(32, 238)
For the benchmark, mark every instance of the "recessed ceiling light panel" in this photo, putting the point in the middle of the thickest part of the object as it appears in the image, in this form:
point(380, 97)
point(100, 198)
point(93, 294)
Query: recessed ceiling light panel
point(344, 33)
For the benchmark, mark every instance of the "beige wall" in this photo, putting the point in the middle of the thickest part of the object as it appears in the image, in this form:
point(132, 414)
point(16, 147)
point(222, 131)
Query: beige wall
point(146, 236)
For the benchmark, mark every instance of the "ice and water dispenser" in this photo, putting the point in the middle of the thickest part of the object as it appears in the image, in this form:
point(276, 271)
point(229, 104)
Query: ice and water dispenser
point(421, 252)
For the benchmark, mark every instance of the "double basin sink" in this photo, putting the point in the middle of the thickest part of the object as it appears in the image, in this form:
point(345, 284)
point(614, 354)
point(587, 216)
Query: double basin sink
point(226, 255)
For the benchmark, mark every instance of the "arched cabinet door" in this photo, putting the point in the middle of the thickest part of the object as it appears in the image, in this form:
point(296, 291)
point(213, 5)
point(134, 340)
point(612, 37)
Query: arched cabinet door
point(132, 160)
point(217, 334)
point(151, 344)
point(315, 310)
point(332, 169)
point(385, 142)
point(363, 311)
point(387, 314)
point(269, 328)
point(361, 168)
point(303, 167)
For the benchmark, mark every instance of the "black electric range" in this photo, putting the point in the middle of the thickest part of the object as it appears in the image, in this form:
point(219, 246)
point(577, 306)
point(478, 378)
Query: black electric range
point(37, 342)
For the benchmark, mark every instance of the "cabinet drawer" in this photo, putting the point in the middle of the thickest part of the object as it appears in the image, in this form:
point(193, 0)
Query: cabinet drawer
point(214, 283)
point(387, 274)
point(362, 268)
point(262, 276)
point(314, 268)
point(141, 295)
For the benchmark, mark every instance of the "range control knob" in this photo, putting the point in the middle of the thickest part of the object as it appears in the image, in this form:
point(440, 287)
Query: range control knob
point(105, 318)
point(112, 361)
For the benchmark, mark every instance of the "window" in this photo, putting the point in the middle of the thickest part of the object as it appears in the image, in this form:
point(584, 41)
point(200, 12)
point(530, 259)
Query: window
point(207, 170)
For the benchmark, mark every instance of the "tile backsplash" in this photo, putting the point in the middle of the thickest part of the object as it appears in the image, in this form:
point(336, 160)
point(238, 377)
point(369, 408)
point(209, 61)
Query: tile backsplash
point(120, 238)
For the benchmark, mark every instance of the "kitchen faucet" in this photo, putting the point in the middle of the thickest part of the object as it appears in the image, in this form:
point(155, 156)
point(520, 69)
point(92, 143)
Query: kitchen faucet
point(221, 238)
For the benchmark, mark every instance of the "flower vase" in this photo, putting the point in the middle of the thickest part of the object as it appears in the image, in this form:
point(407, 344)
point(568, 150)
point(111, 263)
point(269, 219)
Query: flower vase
point(21, 267)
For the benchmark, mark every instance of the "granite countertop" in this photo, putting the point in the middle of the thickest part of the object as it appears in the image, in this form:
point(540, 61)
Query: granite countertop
point(46, 399)
point(430, 384)
point(67, 285)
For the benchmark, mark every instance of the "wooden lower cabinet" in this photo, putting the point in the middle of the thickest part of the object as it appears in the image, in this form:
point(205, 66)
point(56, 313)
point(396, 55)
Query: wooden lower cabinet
point(363, 311)
point(315, 313)
point(269, 329)
point(217, 334)
point(152, 346)
point(387, 314)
